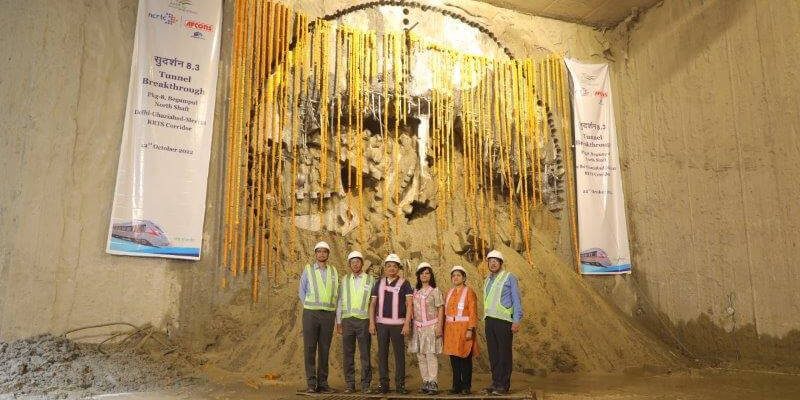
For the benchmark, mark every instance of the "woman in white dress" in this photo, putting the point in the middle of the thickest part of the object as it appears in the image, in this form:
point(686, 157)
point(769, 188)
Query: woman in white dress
point(428, 318)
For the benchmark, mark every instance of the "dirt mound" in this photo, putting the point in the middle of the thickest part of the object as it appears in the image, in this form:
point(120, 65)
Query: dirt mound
point(57, 367)
point(567, 326)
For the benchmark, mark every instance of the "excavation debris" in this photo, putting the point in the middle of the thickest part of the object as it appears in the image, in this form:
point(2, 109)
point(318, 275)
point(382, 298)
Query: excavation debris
point(58, 368)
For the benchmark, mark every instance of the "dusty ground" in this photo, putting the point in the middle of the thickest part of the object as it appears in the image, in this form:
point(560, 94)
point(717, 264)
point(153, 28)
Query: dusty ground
point(686, 385)
point(52, 367)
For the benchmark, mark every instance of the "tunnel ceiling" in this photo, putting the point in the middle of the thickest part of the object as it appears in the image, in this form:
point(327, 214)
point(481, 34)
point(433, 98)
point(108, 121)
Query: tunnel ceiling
point(597, 13)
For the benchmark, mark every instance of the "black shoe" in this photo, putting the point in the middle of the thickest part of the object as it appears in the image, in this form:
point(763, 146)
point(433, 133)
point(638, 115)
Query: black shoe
point(350, 389)
point(311, 390)
point(382, 389)
point(454, 391)
point(401, 390)
point(325, 389)
point(367, 390)
point(466, 392)
point(499, 392)
point(425, 387)
point(488, 390)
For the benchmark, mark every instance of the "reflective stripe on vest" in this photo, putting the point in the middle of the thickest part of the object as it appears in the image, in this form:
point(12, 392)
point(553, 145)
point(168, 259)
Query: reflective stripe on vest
point(422, 297)
point(462, 302)
point(355, 299)
point(382, 289)
point(321, 295)
point(491, 298)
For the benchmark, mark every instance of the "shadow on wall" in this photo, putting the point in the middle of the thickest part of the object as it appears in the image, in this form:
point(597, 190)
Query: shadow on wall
point(742, 346)
point(702, 339)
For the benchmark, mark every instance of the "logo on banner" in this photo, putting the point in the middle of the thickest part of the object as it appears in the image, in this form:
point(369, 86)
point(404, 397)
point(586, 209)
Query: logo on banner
point(197, 35)
point(198, 26)
point(588, 83)
point(183, 5)
point(600, 94)
point(167, 17)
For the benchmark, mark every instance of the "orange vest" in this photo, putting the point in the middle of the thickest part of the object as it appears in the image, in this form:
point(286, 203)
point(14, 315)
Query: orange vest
point(458, 321)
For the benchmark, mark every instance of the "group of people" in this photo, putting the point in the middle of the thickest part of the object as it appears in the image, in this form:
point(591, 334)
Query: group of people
point(358, 306)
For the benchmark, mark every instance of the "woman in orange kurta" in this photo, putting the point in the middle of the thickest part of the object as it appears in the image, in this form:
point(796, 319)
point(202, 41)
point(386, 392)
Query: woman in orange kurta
point(461, 320)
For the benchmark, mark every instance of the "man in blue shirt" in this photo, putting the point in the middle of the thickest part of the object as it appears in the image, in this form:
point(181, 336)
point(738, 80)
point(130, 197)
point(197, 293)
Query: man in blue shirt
point(502, 309)
point(319, 292)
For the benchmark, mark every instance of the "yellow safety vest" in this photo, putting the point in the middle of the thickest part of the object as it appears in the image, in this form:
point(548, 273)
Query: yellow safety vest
point(321, 295)
point(492, 307)
point(355, 299)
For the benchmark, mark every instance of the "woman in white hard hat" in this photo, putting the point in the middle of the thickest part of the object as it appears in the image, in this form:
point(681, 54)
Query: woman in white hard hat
point(319, 293)
point(352, 322)
point(460, 322)
point(390, 312)
point(428, 317)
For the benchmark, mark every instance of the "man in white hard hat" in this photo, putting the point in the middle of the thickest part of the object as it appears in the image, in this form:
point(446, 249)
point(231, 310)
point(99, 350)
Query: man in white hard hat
point(352, 322)
point(319, 292)
point(502, 310)
point(390, 312)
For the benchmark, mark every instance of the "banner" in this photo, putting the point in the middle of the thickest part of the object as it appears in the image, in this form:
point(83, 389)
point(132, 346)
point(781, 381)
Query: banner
point(602, 229)
point(159, 200)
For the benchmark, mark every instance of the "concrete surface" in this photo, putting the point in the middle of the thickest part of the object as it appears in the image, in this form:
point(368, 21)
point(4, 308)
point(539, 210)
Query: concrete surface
point(706, 96)
point(66, 66)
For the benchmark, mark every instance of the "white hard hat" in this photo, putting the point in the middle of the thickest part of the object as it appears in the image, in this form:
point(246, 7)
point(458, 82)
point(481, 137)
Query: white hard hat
point(393, 258)
point(495, 254)
point(355, 254)
point(322, 245)
point(458, 268)
point(424, 264)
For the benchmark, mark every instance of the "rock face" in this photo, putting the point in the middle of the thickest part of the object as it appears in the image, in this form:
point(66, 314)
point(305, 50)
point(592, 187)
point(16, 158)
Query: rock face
point(395, 185)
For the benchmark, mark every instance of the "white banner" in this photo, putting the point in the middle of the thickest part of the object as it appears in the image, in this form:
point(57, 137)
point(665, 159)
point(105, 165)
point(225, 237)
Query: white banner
point(602, 229)
point(159, 201)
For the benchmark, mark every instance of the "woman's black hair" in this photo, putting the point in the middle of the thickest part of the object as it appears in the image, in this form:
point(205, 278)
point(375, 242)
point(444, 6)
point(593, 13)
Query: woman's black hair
point(432, 281)
point(463, 274)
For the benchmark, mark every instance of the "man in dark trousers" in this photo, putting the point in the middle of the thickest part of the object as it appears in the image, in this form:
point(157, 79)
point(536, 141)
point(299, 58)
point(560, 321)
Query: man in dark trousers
point(502, 310)
point(352, 322)
point(319, 287)
point(390, 312)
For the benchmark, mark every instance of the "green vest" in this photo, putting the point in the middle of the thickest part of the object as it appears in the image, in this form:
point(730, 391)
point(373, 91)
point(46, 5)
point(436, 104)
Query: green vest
point(355, 299)
point(491, 298)
point(321, 295)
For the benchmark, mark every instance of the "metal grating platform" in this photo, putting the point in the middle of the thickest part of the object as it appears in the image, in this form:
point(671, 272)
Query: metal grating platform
point(420, 396)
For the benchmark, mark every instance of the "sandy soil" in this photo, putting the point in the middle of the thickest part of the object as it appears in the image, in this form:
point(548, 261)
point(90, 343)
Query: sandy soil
point(685, 385)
